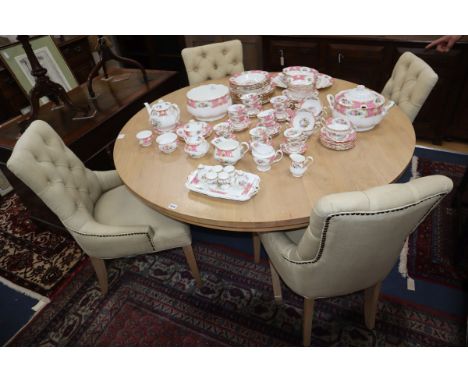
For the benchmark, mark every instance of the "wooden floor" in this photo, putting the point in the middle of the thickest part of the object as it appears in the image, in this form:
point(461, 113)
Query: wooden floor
point(458, 147)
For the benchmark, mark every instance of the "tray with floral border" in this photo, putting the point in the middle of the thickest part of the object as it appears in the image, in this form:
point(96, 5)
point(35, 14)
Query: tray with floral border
point(236, 185)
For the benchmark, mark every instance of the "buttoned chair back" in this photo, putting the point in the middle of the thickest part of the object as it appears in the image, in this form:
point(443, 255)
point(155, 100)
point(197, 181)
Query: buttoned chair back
point(213, 61)
point(410, 84)
point(353, 239)
point(105, 219)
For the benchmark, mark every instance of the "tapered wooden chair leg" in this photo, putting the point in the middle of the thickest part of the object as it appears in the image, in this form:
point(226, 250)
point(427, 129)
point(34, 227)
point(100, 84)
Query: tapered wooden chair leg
point(276, 283)
point(101, 273)
point(257, 245)
point(192, 263)
point(371, 298)
point(307, 321)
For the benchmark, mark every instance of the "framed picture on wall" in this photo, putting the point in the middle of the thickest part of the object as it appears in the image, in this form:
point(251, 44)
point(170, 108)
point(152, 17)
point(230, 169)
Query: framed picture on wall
point(15, 59)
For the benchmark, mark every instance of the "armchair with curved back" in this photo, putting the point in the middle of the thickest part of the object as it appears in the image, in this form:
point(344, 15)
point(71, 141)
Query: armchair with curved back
point(103, 216)
point(410, 84)
point(352, 242)
point(213, 61)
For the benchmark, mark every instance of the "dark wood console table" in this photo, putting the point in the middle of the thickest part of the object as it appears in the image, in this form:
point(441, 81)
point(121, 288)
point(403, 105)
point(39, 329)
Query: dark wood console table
point(92, 140)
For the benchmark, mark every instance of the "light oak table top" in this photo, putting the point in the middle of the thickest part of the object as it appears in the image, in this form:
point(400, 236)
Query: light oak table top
point(283, 202)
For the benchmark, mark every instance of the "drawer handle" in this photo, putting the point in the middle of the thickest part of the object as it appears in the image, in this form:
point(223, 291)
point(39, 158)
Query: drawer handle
point(340, 58)
point(281, 57)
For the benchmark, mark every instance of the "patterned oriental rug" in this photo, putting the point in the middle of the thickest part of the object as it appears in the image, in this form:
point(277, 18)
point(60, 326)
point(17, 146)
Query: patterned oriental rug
point(433, 254)
point(31, 257)
point(153, 301)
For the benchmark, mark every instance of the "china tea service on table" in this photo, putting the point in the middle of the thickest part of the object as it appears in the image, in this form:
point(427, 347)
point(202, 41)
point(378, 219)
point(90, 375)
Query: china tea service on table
point(144, 138)
point(229, 151)
point(164, 116)
point(299, 164)
point(167, 142)
point(365, 108)
point(265, 155)
point(208, 102)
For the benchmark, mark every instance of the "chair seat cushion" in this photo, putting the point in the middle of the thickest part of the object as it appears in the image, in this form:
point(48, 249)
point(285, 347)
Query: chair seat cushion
point(119, 207)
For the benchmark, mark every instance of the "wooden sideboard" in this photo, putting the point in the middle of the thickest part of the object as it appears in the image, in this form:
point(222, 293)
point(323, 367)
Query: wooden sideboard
point(369, 60)
point(76, 52)
point(92, 140)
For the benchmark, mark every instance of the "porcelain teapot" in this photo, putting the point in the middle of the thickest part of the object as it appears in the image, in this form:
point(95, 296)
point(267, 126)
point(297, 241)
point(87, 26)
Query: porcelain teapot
point(365, 108)
point(163, 115)
point(228, 150)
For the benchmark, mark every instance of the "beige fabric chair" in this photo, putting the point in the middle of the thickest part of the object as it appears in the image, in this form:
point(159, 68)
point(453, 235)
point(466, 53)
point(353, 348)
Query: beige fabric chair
point(351, 244)
point(213, 61)
point(103, 216)
point(411, 83)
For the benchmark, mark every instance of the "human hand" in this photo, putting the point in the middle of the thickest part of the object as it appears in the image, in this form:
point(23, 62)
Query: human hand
point(444, 44)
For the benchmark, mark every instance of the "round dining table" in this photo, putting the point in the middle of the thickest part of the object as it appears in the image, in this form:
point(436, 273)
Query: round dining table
point(283, 202)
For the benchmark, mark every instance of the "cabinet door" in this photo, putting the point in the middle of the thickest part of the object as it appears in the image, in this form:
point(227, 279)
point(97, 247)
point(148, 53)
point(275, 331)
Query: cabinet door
point(459, 129)
point(280, 53)
point(358, 63)
point(437, 112)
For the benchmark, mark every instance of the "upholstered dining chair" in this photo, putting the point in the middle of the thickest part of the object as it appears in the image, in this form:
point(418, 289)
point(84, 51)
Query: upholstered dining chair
point(103, 216)
point(352, 242)
point(213, 61)
point(410, 84)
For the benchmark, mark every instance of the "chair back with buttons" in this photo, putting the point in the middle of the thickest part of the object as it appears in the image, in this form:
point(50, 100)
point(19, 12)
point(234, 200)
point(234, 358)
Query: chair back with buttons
point(42, 161)
point(354, 238)
point(411, 83)
point(213, 61)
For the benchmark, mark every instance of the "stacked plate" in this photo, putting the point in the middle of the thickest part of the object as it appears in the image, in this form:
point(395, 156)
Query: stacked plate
point(338, 134)
point(253, 81)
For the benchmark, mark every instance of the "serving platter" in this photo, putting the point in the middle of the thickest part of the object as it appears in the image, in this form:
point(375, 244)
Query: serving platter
point(242, 187)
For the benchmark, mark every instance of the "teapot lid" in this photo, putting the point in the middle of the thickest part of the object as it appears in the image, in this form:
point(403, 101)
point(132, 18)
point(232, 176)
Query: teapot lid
point(359, 96)
point(225, 143)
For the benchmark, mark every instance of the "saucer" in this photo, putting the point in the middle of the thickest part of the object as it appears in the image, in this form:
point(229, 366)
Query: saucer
point(207, 130)
point(278, 80)
point(287, 149)
point(238, 128)
point(323, 81)
point(303, 119)
point(290, 115)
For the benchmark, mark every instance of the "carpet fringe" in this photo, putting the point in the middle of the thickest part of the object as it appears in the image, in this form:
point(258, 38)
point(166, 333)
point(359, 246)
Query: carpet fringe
point(44, 300)
point(403, 265)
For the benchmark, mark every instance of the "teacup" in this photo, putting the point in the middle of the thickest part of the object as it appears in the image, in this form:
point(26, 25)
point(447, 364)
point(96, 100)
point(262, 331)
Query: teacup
point(280, 104)
point(260, 134)
point(293, 135)
point(194, 129)
point(144, 137)
point(223, 129)
point(267, 117)
point(252, 103)
point(167, 142)
point(299, 164)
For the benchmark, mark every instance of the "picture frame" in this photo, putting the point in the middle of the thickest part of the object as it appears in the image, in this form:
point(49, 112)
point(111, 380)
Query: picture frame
point(49, 56)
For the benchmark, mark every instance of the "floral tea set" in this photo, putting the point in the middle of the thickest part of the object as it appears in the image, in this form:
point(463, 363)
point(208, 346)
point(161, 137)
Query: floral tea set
point(349, 111)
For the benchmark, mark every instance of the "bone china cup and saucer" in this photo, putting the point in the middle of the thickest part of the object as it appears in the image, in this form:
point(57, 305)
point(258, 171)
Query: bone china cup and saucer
point(167, 142)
